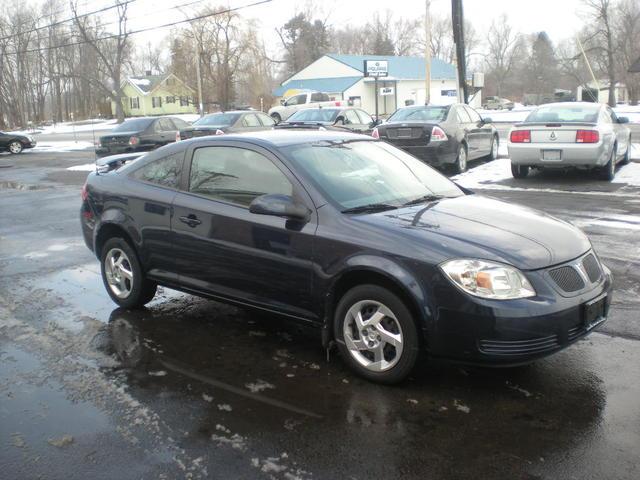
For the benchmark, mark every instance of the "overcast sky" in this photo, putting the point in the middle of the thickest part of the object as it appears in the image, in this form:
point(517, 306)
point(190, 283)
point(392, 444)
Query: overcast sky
point(559, 18)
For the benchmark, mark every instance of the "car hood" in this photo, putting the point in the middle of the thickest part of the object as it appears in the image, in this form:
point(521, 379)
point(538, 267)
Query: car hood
point(473, 226)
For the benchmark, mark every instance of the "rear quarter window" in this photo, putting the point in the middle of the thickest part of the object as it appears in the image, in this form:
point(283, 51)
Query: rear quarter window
point(163, 171)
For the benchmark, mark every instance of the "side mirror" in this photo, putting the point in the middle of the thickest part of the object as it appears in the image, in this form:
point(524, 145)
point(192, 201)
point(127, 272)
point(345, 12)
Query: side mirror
point(279, 206)
point(375, 123)
point(487, 120)
point(623, 119)
point(282, 102)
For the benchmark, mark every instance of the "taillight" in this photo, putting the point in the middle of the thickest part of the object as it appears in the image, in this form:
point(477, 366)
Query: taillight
point(520, 136)
point(84, 193)
point(134, 141)
point(219, 132)
point(587, 136)
point(438, 135)
point(375, 133)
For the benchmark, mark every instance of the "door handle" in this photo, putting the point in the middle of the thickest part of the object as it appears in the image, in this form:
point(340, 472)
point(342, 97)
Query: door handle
point(191, 220)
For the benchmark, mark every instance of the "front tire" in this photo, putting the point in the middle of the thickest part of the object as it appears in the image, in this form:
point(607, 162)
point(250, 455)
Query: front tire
point(376, 334)
point(461, 160)
point(519, 171)
point(15, 147)
point(495, 144)
point(627, 156)
point(122, 275)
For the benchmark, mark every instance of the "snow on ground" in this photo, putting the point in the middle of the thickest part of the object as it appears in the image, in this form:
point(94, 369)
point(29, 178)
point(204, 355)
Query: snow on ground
point(489, 175)
point(70, 127)
point(47, 146)
point(87, 167)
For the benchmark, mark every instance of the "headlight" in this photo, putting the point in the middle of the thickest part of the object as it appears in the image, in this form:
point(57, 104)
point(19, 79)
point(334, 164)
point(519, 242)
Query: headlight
point(488, 279)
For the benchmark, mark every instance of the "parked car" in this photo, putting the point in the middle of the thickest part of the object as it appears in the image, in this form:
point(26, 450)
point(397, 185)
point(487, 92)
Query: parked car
point(379, 251)
point(113, 162)
point(497, 103)
point(228, 122)
point(580, 135)
point(345, 118)
point(140, 135)
point(15, 143)
point(443, 136)
point(301, 101)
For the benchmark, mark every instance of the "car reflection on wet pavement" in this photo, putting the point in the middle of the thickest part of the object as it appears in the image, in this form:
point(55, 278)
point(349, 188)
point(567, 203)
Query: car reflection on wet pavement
point(209, 389)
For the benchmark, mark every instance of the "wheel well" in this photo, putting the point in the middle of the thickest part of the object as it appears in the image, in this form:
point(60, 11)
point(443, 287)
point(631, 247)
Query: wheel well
point(368, 277)
point(108, 231)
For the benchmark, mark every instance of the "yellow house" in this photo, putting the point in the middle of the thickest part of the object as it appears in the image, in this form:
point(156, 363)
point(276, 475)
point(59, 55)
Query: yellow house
point(156, 95)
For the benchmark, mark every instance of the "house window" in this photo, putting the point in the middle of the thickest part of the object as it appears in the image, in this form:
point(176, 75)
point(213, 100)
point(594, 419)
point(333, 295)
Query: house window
point(184, 101)
point(134, 102)
point(170, 81)
point(156, 102)
point(170, 99)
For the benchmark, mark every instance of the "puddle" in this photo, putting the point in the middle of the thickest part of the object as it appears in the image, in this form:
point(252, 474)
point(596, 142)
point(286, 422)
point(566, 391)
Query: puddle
point(6, 184)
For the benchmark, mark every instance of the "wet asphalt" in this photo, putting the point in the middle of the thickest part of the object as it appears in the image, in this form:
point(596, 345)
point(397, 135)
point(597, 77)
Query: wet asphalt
point(190, 388)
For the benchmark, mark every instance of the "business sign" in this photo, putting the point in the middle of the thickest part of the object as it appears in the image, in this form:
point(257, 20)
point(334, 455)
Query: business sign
point(384, 91)
point(376, 68)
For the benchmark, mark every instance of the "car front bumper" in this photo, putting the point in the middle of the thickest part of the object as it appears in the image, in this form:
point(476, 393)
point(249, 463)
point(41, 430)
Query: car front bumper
point(571, 154)
point(515, 332)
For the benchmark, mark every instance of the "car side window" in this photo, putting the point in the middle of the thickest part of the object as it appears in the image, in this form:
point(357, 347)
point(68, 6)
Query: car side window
point(297, 100)
point(365, 118)
point(463, 116)
point(250, 120)
point(606, 116)
point(166, 125)
point(351, 117)
point(475, 117)
point(235, 175)
point(163, 171)
point(266, 120)
point(612, 114)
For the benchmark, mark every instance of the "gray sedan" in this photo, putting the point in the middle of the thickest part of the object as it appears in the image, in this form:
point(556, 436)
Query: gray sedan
point(572, 134)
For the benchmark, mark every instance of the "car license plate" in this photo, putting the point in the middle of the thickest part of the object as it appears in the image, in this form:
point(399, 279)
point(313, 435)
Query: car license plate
point(404, 133)
point(552, 155)
point(595, 312)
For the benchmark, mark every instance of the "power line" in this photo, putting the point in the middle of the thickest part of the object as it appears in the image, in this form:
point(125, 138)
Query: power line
point(133, 32)
point(104, 9)
point(50, 14)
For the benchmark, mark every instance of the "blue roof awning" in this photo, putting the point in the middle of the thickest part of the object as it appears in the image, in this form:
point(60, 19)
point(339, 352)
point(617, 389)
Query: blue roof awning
point(410, 68)
point(328, 85)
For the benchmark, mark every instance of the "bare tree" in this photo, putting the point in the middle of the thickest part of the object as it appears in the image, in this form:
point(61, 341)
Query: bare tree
point(504, 48)
point(112, 54)
point(602, 39)
point(627, 44)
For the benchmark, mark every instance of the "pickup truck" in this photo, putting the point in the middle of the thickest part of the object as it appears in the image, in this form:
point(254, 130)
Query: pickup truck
point(301, 101)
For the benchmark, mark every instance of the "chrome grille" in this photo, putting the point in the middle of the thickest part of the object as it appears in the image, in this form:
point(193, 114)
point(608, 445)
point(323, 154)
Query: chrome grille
point(567, 278)
point(518, 347)
point(591, 266)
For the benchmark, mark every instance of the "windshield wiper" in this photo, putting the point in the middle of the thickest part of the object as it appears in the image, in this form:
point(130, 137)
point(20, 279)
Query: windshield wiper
point(370, 207)
point(425, 198)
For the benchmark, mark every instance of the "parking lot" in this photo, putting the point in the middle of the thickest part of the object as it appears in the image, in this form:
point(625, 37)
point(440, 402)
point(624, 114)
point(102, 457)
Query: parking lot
point(190, 388)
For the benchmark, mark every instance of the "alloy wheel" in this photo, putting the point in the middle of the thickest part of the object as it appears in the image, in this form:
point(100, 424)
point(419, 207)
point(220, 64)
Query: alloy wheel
point(462, 159)
point(119, 273)
point(15, 147)
point(373, 335)
point(494, 148)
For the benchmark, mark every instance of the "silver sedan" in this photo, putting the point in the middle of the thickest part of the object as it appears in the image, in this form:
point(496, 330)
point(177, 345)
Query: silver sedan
point(570, 134)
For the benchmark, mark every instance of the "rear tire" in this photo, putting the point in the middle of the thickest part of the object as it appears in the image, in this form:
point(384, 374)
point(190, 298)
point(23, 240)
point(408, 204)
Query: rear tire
point(461, 160)
point(376, 334)
point(608, 172)
point(122, 275)
point(519, 171)
point(627, 155)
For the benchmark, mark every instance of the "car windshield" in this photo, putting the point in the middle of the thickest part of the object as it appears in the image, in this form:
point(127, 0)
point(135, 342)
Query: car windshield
point(564, 113)
point(134, 125)
point(420, 114)
point(217, 120)
point(356, 173)
point(319, 115)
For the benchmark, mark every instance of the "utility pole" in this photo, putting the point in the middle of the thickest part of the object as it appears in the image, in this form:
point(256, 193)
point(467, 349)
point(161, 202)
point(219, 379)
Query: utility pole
point(427, 52)
point(200, 104)
point(457, 19)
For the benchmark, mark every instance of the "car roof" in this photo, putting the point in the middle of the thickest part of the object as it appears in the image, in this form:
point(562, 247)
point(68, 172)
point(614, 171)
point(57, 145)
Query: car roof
point(569, 104)
point(281, 138)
